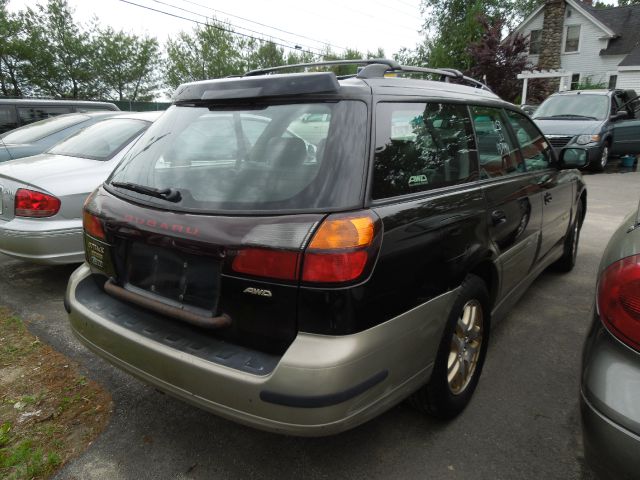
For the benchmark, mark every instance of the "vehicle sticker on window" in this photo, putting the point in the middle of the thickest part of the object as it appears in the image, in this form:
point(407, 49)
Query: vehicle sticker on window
point(416, 180)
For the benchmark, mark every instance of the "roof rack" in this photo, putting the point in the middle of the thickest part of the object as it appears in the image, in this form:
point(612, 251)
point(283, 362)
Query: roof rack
point(377, 68)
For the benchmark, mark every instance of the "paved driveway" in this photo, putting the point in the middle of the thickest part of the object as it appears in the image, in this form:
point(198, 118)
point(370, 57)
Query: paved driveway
point(522, 423)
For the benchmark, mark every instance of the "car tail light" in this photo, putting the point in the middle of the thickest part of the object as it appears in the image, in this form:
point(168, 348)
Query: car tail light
point(264, 262)
point(92, 225)
point(339, 252)
point(29, 203)
point(619, 300)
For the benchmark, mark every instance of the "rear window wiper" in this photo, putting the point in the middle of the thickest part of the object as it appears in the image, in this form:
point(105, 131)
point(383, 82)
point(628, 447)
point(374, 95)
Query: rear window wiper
point(168, 194)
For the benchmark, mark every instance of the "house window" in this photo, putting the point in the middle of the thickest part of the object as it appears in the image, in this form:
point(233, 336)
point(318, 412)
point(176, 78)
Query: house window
point(613, 79)
point(535, 42)
point(572, 40)
point(575, 81)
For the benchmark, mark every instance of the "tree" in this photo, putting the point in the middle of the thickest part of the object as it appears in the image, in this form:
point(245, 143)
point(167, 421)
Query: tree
point(496, 61)
point(211, 51)
point(263, 55)
point(59, 53)
point(12, 49)
point(624, 3)
point(127, 65)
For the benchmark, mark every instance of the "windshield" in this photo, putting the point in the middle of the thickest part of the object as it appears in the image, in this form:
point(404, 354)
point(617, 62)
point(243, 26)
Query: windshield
point(35, 131)
point(258, 158)
point(102, 140)
point(593, 107)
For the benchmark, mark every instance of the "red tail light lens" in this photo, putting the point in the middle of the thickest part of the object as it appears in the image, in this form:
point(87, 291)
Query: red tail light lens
point(339, 249)
point(29, 203)
point(93, 225)
point(263, 262)
point(334, 267)
point(619, 300)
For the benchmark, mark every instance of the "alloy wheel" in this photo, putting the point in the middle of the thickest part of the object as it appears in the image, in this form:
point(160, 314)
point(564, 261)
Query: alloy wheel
point(465, 349)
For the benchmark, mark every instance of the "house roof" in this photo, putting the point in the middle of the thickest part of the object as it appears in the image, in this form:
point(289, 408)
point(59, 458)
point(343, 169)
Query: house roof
point(624, 21)
point(631, 60)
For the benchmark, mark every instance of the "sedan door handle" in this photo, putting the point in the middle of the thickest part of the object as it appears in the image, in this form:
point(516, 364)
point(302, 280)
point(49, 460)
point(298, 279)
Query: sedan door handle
point(498, 217)
point(547, 197)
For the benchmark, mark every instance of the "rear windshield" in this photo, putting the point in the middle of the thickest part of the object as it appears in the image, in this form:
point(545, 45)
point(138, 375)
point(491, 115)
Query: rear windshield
point(299, 157)
point(35, 131)
point(585, 106)
point(102, 140)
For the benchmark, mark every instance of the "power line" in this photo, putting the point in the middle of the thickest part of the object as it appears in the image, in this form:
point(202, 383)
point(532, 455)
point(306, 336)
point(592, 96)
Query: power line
point(215, 26)
point(264, 25)
point(319, 50)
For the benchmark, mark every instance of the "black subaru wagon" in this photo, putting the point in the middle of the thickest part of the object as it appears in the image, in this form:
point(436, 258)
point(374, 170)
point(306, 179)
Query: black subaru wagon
point(300, 252)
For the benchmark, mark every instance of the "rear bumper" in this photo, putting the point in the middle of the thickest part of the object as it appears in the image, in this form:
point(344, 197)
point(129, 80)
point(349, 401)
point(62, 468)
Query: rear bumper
point(610, 395)
point(42, 241)
point(320, 386)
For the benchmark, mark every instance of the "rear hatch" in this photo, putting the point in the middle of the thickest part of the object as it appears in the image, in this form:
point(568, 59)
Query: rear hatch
point(210, 213)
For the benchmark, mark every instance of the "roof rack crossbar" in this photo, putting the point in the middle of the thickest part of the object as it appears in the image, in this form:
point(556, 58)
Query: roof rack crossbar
point(374, 68)
point(261, 71)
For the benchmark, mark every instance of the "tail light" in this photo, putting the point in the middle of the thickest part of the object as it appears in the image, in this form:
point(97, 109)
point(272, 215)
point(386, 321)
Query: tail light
point(339, 252)
point(263, 262)
point(619, 300)
point(29, 203)
point(92, 225)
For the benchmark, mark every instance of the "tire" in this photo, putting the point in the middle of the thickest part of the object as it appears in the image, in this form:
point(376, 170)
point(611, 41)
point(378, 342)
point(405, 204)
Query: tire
point(445, 396)
point(568, 260)
point(604, 158)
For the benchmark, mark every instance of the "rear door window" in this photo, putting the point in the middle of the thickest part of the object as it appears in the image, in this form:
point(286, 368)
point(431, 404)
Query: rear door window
point(535, 149)
point(421, 146)
point(498, 155)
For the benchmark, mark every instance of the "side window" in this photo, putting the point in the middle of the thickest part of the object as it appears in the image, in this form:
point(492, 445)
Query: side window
point(420, 146)
point(496, 151)
point(33, 114)
point(8, 120)
point(535, 149)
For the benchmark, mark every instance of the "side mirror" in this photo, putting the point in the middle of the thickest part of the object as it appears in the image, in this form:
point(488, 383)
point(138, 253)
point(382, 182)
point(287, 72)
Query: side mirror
point(621, 115)
point(573, 157)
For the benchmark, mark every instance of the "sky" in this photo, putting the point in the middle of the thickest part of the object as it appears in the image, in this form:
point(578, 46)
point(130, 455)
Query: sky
point(361, 24)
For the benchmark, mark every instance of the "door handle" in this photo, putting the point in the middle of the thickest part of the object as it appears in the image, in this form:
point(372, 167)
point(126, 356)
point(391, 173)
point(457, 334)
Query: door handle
point(498, 217)
point(547, 197)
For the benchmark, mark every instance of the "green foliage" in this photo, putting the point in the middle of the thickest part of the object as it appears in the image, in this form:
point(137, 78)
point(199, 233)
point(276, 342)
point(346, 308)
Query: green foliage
point(624, 3)
point(211, 51)
point(450, 26)
point(588, 84)
point(12, 53)
point(126, 65)
point(60, 53)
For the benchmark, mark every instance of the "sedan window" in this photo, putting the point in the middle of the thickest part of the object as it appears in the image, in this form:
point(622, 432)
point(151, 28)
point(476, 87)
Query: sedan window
point(43, 128)
point(102, 140)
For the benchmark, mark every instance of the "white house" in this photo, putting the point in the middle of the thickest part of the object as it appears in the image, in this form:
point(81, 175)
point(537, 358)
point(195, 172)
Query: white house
point(586, 44)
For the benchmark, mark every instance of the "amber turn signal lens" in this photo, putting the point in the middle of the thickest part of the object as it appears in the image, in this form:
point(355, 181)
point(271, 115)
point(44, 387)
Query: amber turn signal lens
point(344, 233)
point(93, 225)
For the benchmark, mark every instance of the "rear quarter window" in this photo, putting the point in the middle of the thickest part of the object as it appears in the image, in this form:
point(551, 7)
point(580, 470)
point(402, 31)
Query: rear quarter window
point(421, 146)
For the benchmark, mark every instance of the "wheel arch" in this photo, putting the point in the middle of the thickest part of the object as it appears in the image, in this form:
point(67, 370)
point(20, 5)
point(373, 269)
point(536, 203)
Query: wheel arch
point(488, 272)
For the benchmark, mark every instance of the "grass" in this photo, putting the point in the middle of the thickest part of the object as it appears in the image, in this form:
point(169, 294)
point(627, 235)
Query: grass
point(49, 412)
